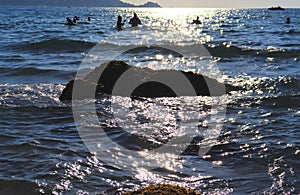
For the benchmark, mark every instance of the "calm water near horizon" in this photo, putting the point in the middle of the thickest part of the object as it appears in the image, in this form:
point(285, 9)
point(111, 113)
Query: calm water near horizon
point(257, 150)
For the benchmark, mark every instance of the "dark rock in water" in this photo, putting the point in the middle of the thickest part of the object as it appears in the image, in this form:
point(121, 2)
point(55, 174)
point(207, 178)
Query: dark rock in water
point(163, 189)
point(276, 8)
point(142, 82)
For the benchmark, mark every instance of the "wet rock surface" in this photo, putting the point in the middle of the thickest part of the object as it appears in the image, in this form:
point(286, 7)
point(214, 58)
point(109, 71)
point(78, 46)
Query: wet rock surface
point(163, 189)
point(119, 78)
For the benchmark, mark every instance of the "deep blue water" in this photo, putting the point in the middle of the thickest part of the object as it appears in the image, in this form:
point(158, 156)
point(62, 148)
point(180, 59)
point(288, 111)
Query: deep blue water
point(45, 151)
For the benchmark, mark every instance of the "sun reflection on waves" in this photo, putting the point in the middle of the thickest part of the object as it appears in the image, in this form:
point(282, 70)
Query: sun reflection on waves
point(194, 182)
point(174, 26)
point(40, 95)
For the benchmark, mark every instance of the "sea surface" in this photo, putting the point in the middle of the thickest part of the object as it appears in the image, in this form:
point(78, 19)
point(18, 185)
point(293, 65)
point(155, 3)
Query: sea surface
point(254, 146)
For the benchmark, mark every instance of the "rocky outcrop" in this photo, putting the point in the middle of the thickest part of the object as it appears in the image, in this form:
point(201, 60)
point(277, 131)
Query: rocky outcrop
point(149, 4)
point(163, 189)
point(104, 78)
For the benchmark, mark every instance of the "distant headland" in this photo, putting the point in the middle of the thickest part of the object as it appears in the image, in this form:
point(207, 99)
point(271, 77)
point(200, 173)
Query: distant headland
point(276, 8)
point(76, 3)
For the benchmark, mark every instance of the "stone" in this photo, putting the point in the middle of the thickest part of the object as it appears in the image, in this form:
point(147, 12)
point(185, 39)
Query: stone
point(103, 79)
point(163, 189)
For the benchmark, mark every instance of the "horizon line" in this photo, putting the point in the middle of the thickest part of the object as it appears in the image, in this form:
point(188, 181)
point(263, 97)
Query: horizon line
point(139, 6)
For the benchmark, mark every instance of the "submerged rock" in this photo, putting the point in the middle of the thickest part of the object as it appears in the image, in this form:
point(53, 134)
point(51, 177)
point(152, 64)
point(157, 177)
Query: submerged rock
point(119, 78)
point(163, 189)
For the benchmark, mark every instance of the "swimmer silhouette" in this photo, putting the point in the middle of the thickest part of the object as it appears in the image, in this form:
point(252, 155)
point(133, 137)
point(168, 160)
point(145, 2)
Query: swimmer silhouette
point(70, 22)
point(120, 24)
point(75, 19)
point(197, 21)
point(135, 21)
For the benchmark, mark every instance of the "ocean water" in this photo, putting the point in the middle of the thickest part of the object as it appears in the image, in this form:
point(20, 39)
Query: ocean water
point(255, 147)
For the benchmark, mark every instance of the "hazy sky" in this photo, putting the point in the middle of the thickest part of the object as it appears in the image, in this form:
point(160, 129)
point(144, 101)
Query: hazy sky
point(222, 3)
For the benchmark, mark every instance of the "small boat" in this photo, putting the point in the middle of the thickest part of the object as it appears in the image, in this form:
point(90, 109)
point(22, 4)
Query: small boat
point(276, 8)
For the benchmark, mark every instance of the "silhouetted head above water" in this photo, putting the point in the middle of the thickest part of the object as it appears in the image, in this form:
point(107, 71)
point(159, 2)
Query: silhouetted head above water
point(135, 20)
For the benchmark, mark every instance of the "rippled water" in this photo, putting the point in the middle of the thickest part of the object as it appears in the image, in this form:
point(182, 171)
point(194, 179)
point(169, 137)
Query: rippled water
point(43, 150)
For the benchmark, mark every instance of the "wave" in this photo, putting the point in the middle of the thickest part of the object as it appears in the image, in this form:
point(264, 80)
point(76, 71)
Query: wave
point(18, 187)
point(229, 51)
point(25, 71)
point(31, 71)
point(29, 95)
point(282, 84)
point(289, 32)
point(283, 101)
point(55, 46)
point(217, 50)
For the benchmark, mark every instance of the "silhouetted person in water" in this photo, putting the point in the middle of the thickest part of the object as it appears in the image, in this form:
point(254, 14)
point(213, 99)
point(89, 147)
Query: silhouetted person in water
point(197, 21)
point(120, 24)
point(288, 21)
point(135, 21)
point(89, 19)
point(75, 19)
point(70, 22)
